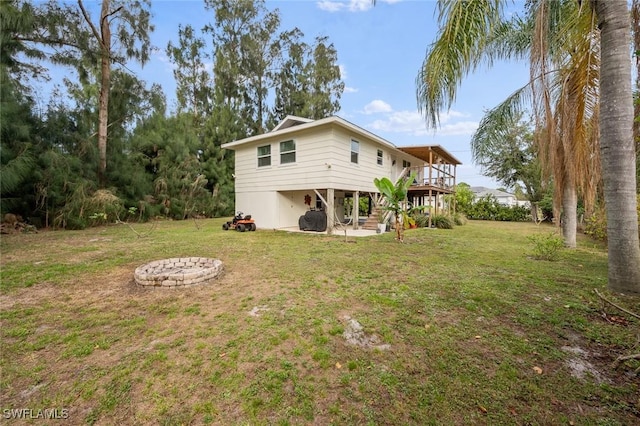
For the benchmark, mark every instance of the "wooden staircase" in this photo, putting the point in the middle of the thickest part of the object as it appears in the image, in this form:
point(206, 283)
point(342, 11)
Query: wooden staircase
point(372, 220)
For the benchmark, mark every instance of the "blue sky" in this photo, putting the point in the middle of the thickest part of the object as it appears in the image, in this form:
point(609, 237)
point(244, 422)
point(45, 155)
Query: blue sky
point(380, 51)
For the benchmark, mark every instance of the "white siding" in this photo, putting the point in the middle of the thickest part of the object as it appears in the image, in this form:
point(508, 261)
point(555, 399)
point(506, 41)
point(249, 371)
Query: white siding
point(350, 176)
point(292, 206)
point(262, 206)
point(310, 169)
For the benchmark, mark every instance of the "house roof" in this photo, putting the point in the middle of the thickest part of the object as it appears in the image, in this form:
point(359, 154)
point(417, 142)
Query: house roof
point(292, 124)
point(482, 191)
point(430, 153)
point(290, 121)
point(289, 126)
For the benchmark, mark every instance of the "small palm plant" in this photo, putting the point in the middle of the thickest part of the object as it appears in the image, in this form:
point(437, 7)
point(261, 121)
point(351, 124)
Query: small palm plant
point(396, 195)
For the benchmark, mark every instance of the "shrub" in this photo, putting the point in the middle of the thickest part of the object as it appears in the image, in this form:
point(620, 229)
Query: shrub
point(488, 208)
point(422, 220)
point(85, 207)
point(442, 221)
point(596, 225)
point(459, 219)
point(546, 246)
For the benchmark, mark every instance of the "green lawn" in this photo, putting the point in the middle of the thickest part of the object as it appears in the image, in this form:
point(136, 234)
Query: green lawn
point(478, 332)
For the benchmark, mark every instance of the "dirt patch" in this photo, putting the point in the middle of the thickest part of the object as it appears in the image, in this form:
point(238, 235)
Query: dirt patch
point(580, 366)
point(354, 335)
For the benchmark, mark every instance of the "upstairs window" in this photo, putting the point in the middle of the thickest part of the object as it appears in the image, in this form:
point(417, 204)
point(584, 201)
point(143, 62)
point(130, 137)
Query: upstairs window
point(406, 164)
point(380, 157)
point(264, 156)
point(287, 152)
point(355, 151)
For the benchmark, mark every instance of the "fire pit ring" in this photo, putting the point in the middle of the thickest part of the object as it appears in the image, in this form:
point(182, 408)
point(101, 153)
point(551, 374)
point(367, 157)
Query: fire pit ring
point(178, 272)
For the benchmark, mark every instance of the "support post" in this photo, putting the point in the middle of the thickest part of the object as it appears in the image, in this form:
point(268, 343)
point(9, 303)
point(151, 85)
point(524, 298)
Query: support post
point(356, 209)
point(331, 210)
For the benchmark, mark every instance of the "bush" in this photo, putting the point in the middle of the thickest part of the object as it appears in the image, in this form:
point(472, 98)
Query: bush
point(546, 246)
point(422, 220)
point(488, 208)
point(459, 219)
point(596, 225)
point(442, 221)
point(82, 209)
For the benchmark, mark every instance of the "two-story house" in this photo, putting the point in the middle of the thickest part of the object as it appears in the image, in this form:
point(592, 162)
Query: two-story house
point(307, 164)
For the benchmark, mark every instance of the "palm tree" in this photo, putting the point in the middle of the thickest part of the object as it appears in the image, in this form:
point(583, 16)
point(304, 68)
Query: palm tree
point(471, 32)
point(617, 146)
point(564, 94)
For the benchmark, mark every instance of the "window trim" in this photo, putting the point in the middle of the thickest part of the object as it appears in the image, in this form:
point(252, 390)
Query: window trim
point(293, 151)
point(264, 156)
point(357, 152)
point(380, 157)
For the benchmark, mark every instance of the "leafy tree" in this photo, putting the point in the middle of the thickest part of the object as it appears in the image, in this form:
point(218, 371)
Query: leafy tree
point(194, 83)
point(326, 82)
point(635, 16)
point(132, 26)
point(463, 197)
point(247, 47)
point(507, 153)
point(119, 32)
point(218, 163)
point(17, 120)
point(308, 84)
point(488, 208)
point(16, 153)
point(168, 148)
point(293, 80)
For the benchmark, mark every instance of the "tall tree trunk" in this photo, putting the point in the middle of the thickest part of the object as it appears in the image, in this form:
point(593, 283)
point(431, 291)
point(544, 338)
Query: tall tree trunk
point(617, 146)
point(569, 212)
point(105, 85)
point(533, 207)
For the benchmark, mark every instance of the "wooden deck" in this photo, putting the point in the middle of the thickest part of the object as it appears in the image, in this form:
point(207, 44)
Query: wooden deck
point(427, 190)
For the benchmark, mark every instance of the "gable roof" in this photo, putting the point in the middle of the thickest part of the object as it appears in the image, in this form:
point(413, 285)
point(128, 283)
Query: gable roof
point(290, 121)
point(293, 124)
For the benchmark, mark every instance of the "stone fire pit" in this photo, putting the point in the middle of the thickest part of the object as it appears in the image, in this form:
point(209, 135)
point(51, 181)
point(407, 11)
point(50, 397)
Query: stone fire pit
point(178, 272)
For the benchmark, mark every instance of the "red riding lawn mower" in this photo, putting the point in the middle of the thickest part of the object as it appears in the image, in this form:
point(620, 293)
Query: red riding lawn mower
point(240, 223)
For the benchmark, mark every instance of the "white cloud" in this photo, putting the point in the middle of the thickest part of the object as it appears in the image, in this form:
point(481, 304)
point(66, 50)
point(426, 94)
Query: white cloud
point(330, 6)
point(400, 122)
point(343, 71)
point(350, 5)
point(377, 106)
point(343, 77)
point(360, 5)
point(162, 57)
point(413, 123)
point(458, 129)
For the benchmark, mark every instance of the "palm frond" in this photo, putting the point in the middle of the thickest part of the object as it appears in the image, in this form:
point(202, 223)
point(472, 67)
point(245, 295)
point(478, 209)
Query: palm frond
point(511, 40)
point(491, 129)
point(465, 28)
point(564, 66)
